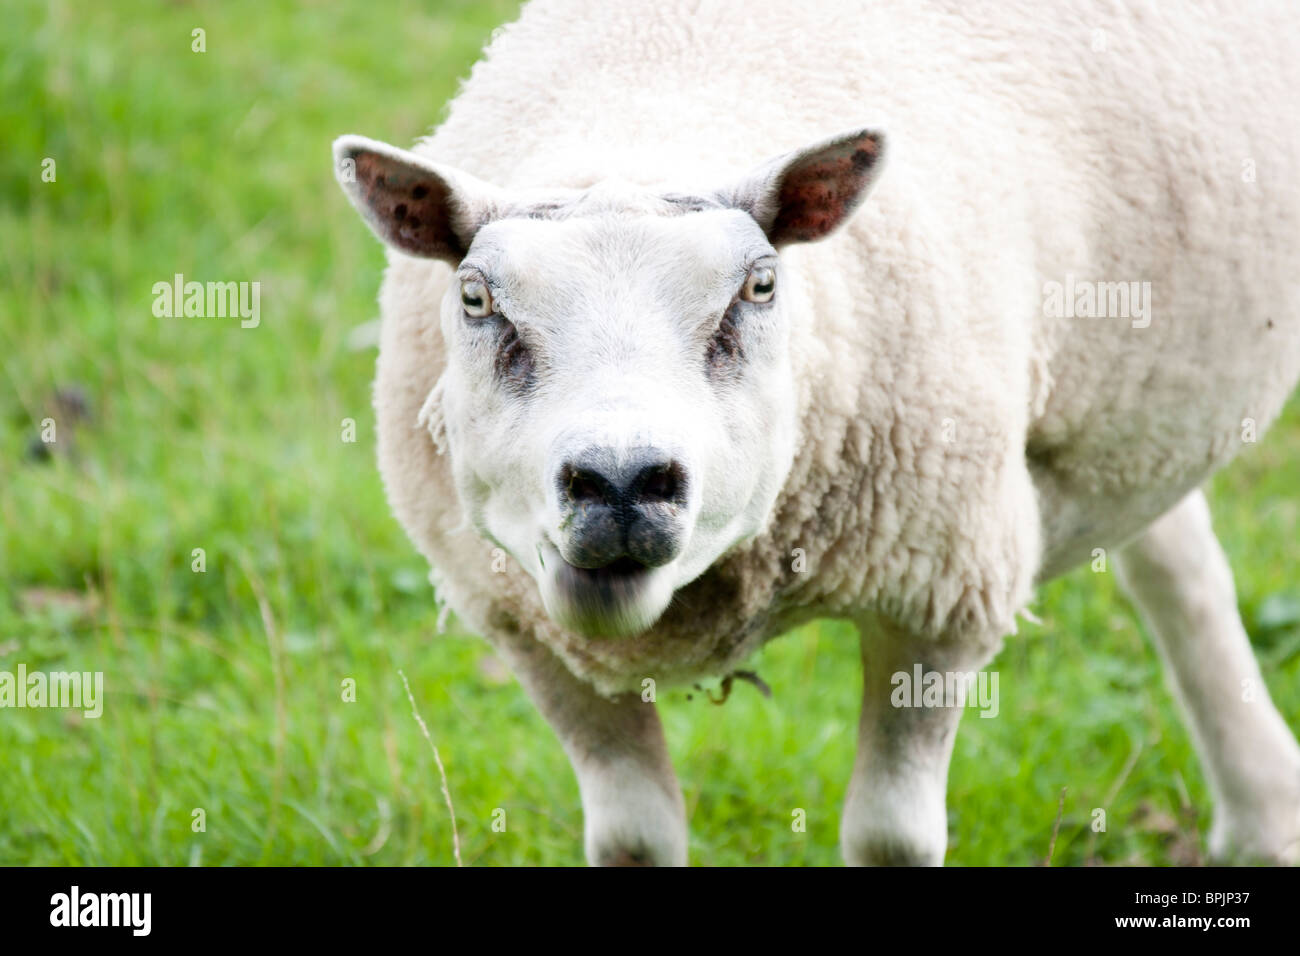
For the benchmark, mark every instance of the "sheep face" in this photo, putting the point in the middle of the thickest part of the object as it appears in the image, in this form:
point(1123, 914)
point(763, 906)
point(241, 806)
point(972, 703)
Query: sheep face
point(618, 403)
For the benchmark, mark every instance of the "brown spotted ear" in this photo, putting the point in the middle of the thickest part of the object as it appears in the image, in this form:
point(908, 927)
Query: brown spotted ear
point(806, 195)
point(416, 206)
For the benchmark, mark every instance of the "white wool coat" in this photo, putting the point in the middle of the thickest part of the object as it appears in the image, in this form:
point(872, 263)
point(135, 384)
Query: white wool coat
point(957, 444)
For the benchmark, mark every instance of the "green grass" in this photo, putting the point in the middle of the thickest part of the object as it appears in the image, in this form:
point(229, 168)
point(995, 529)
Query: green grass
point(224, 687)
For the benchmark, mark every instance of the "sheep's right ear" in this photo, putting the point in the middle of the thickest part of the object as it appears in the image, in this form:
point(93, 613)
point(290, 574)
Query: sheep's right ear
point(418, 207)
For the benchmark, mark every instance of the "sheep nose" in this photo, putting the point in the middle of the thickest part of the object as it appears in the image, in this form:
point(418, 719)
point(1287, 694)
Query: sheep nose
point(634, 484)
point(621, 506)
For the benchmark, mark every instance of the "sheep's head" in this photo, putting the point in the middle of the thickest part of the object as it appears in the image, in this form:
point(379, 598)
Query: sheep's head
point(618, 399)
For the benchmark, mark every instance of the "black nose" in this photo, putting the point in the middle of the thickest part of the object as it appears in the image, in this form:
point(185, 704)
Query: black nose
point(634, 484)
point(621, 506)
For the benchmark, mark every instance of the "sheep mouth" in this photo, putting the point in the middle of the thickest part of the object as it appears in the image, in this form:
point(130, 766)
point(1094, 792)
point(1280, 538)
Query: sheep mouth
point(620, 570)
point(605, 589)
point(618, 599)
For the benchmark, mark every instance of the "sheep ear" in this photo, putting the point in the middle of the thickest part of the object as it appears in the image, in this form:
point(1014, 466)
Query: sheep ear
point(418, 207)
point(806, 195)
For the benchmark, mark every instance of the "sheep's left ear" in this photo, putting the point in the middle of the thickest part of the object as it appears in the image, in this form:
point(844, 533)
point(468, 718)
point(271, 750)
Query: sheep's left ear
point(416, 206)
point(807, 194)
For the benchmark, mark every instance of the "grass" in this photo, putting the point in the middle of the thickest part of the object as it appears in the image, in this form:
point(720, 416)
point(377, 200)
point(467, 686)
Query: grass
point(225, 688)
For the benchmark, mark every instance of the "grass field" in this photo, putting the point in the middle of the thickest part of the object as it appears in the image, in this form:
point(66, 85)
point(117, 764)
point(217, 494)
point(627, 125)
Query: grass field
point(223, 687)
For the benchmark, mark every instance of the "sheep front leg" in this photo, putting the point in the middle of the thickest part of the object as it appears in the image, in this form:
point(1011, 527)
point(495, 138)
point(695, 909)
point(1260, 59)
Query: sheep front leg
point(632, 806)
point(894, 814)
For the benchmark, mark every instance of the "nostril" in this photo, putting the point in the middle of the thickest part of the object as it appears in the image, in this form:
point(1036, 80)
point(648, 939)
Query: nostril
point(664, 482)
point(646, 481)
point(581, 486)
point(660, 484)
point(584, 487)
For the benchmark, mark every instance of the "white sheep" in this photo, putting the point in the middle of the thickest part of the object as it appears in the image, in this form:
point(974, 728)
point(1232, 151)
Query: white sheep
point(616, 368)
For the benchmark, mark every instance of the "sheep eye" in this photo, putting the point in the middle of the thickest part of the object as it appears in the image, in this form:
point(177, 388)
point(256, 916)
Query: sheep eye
point(476, 299)
point(760, 285)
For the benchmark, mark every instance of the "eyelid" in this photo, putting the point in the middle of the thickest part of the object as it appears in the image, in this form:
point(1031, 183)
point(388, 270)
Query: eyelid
point(470, 273)
point(764, 259)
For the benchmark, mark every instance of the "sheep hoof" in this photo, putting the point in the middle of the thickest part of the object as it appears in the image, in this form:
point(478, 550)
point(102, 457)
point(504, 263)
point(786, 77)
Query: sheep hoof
point(1257, 838)
point(626, 840)
point(618, 856)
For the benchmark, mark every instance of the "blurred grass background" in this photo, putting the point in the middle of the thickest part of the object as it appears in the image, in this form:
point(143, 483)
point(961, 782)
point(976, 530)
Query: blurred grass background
point(224, 687)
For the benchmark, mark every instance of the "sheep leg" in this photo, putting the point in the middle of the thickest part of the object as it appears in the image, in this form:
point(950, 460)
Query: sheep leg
point(633, 812)
point(895, 811)
point(1178, 577)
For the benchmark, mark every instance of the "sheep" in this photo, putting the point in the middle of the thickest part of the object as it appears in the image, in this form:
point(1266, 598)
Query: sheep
point(682, 407)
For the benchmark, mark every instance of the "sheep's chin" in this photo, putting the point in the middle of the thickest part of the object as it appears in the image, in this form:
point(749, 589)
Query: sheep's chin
point(621, 600)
